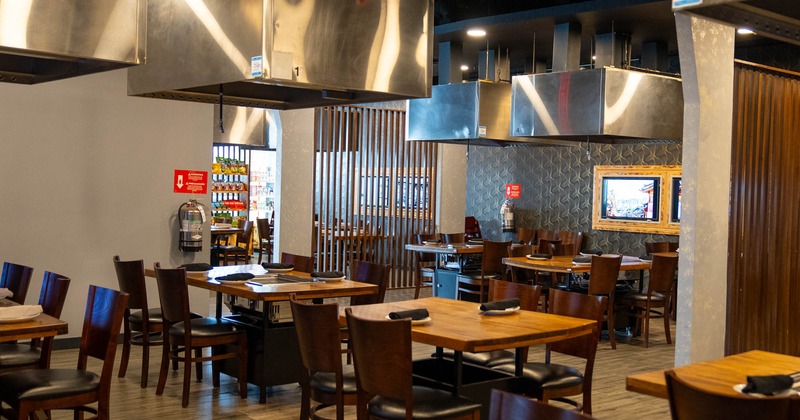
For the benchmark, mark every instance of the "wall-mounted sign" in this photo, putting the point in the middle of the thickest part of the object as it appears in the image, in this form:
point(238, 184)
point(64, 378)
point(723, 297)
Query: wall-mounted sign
point(513, 191)
point(190, 182)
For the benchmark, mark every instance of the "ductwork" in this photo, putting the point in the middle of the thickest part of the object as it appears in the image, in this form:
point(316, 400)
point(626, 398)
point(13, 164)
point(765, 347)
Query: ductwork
point(777, 19)
point(286, 54)
point(44, 40)
point(247, 126)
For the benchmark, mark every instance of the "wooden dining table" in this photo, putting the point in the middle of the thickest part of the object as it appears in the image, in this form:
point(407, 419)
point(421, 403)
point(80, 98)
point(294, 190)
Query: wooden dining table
point(717, 376)
point(42, 326)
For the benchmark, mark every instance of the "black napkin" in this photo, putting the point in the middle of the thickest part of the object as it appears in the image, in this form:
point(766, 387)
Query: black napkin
point(414, 314)
point(592, 251)
point(475, 241)
point(582, 259)
point(537, 255)
point(328, 274)
point(646, 257)
point(237, 276)
point(197, 267)
point(767, 385)
point(500, 305)
point(277, 266)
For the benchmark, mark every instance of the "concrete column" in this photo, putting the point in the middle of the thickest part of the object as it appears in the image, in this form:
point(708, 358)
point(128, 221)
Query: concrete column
point(706, 54)
point(452, 187)
point(450, 59)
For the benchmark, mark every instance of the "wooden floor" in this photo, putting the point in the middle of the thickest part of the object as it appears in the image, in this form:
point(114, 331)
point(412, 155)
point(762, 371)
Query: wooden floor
point(610, 399)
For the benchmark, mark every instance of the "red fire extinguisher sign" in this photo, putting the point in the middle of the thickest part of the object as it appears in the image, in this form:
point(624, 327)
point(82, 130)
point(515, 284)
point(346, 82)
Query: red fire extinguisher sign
point(190, 182)
point(513, 190)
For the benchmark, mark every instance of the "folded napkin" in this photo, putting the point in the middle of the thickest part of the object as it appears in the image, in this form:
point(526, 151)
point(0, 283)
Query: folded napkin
point(646, 257)
point(767, 385)
point(414, 314)
point(327, 274)
point(537, 255)
point(500, 305)
point(475, 241)
point(21, 311)
point(582, 259)
point(5, 293)
point(197, 267)
point(236, 276)
point(277, 266)
point(592, 252)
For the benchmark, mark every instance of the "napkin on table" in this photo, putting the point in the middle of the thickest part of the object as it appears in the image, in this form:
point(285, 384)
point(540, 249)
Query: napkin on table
point(277, 266)
point(197, 267)
point(327, 274)
point(582, 259)
point(767, 385)
point(5, 293)
point(592, 252)
point(237, 276)
point(646, 257)
point(21, 311)
point(537, 255)
point(500, 305)
point(414, 314)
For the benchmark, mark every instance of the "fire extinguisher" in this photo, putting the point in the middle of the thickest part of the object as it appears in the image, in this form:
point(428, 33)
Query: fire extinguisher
point(507, 216)
point(191, 217)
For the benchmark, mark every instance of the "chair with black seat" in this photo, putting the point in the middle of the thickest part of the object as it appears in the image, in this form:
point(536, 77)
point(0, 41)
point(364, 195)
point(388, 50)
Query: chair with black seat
point(384, 384)
point(425, 265)
point(372, 273)
point(474, 286)
point(472, 228)
point(26, 391)
point(240, 250)
point(36, 354)
point(264, 239)
point(188, 335)
point(143, 325)
point(301, 263)
point(322, 379)
point(520, 275)
point(657, 296)
point(16, 278)
point(549, 381)
point(507, 406)
point(454, 238)
point(603, 282)
point(526, 236)
point(688, 402)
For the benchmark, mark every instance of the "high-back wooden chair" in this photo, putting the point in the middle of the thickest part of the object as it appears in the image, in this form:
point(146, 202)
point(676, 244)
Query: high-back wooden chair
point(657, 296)
point(188, 335)
point(322, 377)
point(367, 272)
point(474, 287)
point(16, 278)
point(543, 246)
point(548, 380)
point(264, 239)
point(653, 247)
point(454, 238)
point(301, 263)
point(687, 402)
point(384, 384)
point(507, 406)
point(472, 228)
point(240, 250)
point(574, 237)
point(545, 234)
point(36, 354)
point(526, 236)
point(425, 267)
point(143, 326)
point(603, 282)
point(26, 391)
point(520, 275)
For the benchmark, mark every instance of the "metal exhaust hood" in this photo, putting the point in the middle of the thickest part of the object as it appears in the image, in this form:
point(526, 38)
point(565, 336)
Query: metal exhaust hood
point(286, 54)
point(776, 19)
point(44, 40)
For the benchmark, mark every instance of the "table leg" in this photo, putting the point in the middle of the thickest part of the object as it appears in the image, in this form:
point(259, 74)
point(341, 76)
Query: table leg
point(439, 352)
point(458, 361)
point(518, 362)
point(262, 390)
point(218, 310)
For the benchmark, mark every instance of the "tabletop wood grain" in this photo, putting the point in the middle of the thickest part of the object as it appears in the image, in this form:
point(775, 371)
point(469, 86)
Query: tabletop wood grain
point(563, 264)
point(42, 326)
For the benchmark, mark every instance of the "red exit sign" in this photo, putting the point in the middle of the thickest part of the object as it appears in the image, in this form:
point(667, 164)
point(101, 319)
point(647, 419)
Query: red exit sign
point(190, 182)
point(513, 191)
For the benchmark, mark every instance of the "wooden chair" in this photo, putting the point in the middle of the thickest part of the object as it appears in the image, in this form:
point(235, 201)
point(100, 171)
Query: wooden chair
point(547, 380)
point(687, 402)
point(472, 228)
point(545, 234)
point(143, 326)
point(572, 237)
point(189, 335)
point(16, 278)
point(36, 354)
point(264, 239)
point(384, 384)
point(240, 250)
point(603, 282)
point(526, 236)
point(372, 273)
point(651, 247)
point(301, 263)
point(658, 295)
point(475, 286)
point(454, 238)
point(425, 265)
point(322, 377)
point(507, 406)
point(543, 245)
point(520, 275)
point(26, 391)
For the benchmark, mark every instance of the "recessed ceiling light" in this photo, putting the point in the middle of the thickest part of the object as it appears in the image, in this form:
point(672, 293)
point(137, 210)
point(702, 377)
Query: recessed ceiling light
point(476, 32)
point(745, 31)
point(464, 67)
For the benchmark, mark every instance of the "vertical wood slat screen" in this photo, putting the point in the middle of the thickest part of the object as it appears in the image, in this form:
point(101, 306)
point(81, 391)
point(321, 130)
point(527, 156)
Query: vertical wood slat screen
point(374, 191)
point(764, 241)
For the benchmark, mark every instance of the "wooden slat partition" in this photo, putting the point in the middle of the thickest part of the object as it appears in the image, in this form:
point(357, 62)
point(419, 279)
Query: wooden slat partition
point(374, 191)
point(764, 271)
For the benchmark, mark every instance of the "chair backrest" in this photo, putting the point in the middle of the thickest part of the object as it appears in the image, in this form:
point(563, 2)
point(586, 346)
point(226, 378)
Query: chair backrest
point(16, 278)
point(528, 295)
point(562, 249)
point(574, 237)
point(390, 374)
point(603, 274)
point(507, 406)
point(426, 256)
point(130, 277)
point(454, 238)
point(318, 336)
point(651, 247)
point(101, 324)
point(525, 235)
point(578, 305)
point(377, 274)
point(54, 293)
point(472, 229)
point(545, 234)
point(662, 273)
point(543, 246)
point(246, 235)
point(687, 402)
point(518, 250)
point(174, 296)
point(264, 229)
point(301, 262)
point(493, 254)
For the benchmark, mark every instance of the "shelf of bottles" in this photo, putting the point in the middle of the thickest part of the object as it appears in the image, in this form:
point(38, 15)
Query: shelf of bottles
point(230, 179)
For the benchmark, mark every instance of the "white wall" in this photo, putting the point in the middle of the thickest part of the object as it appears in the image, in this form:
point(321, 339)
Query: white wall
point(451, 186)
point(86, 173)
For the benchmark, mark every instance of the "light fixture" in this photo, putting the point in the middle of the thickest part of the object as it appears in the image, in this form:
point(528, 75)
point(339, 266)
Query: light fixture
point(476, 32)
point(464, 67)
point(745, 31)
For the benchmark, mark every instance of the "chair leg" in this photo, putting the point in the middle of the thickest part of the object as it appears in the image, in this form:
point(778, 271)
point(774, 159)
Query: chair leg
point(666, 325)
point(243, 365)
point(126, 350)
point(187, 377)
point(166, 354)
point(418, 283)
point(215, 367)
point(198, 366)
point(145, 357)
point(611, 336)
point(647, 324)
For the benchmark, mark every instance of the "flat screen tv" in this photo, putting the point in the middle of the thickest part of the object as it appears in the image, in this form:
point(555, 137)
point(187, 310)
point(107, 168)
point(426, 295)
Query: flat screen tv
point(630, 198)
point(676, 200)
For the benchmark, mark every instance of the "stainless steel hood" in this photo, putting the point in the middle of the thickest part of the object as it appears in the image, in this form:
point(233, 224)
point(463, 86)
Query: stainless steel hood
point(286, 54)
point(474, 113)
point(44, 40)
point(247, 126)
point(777, 19)
point(605, 105)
